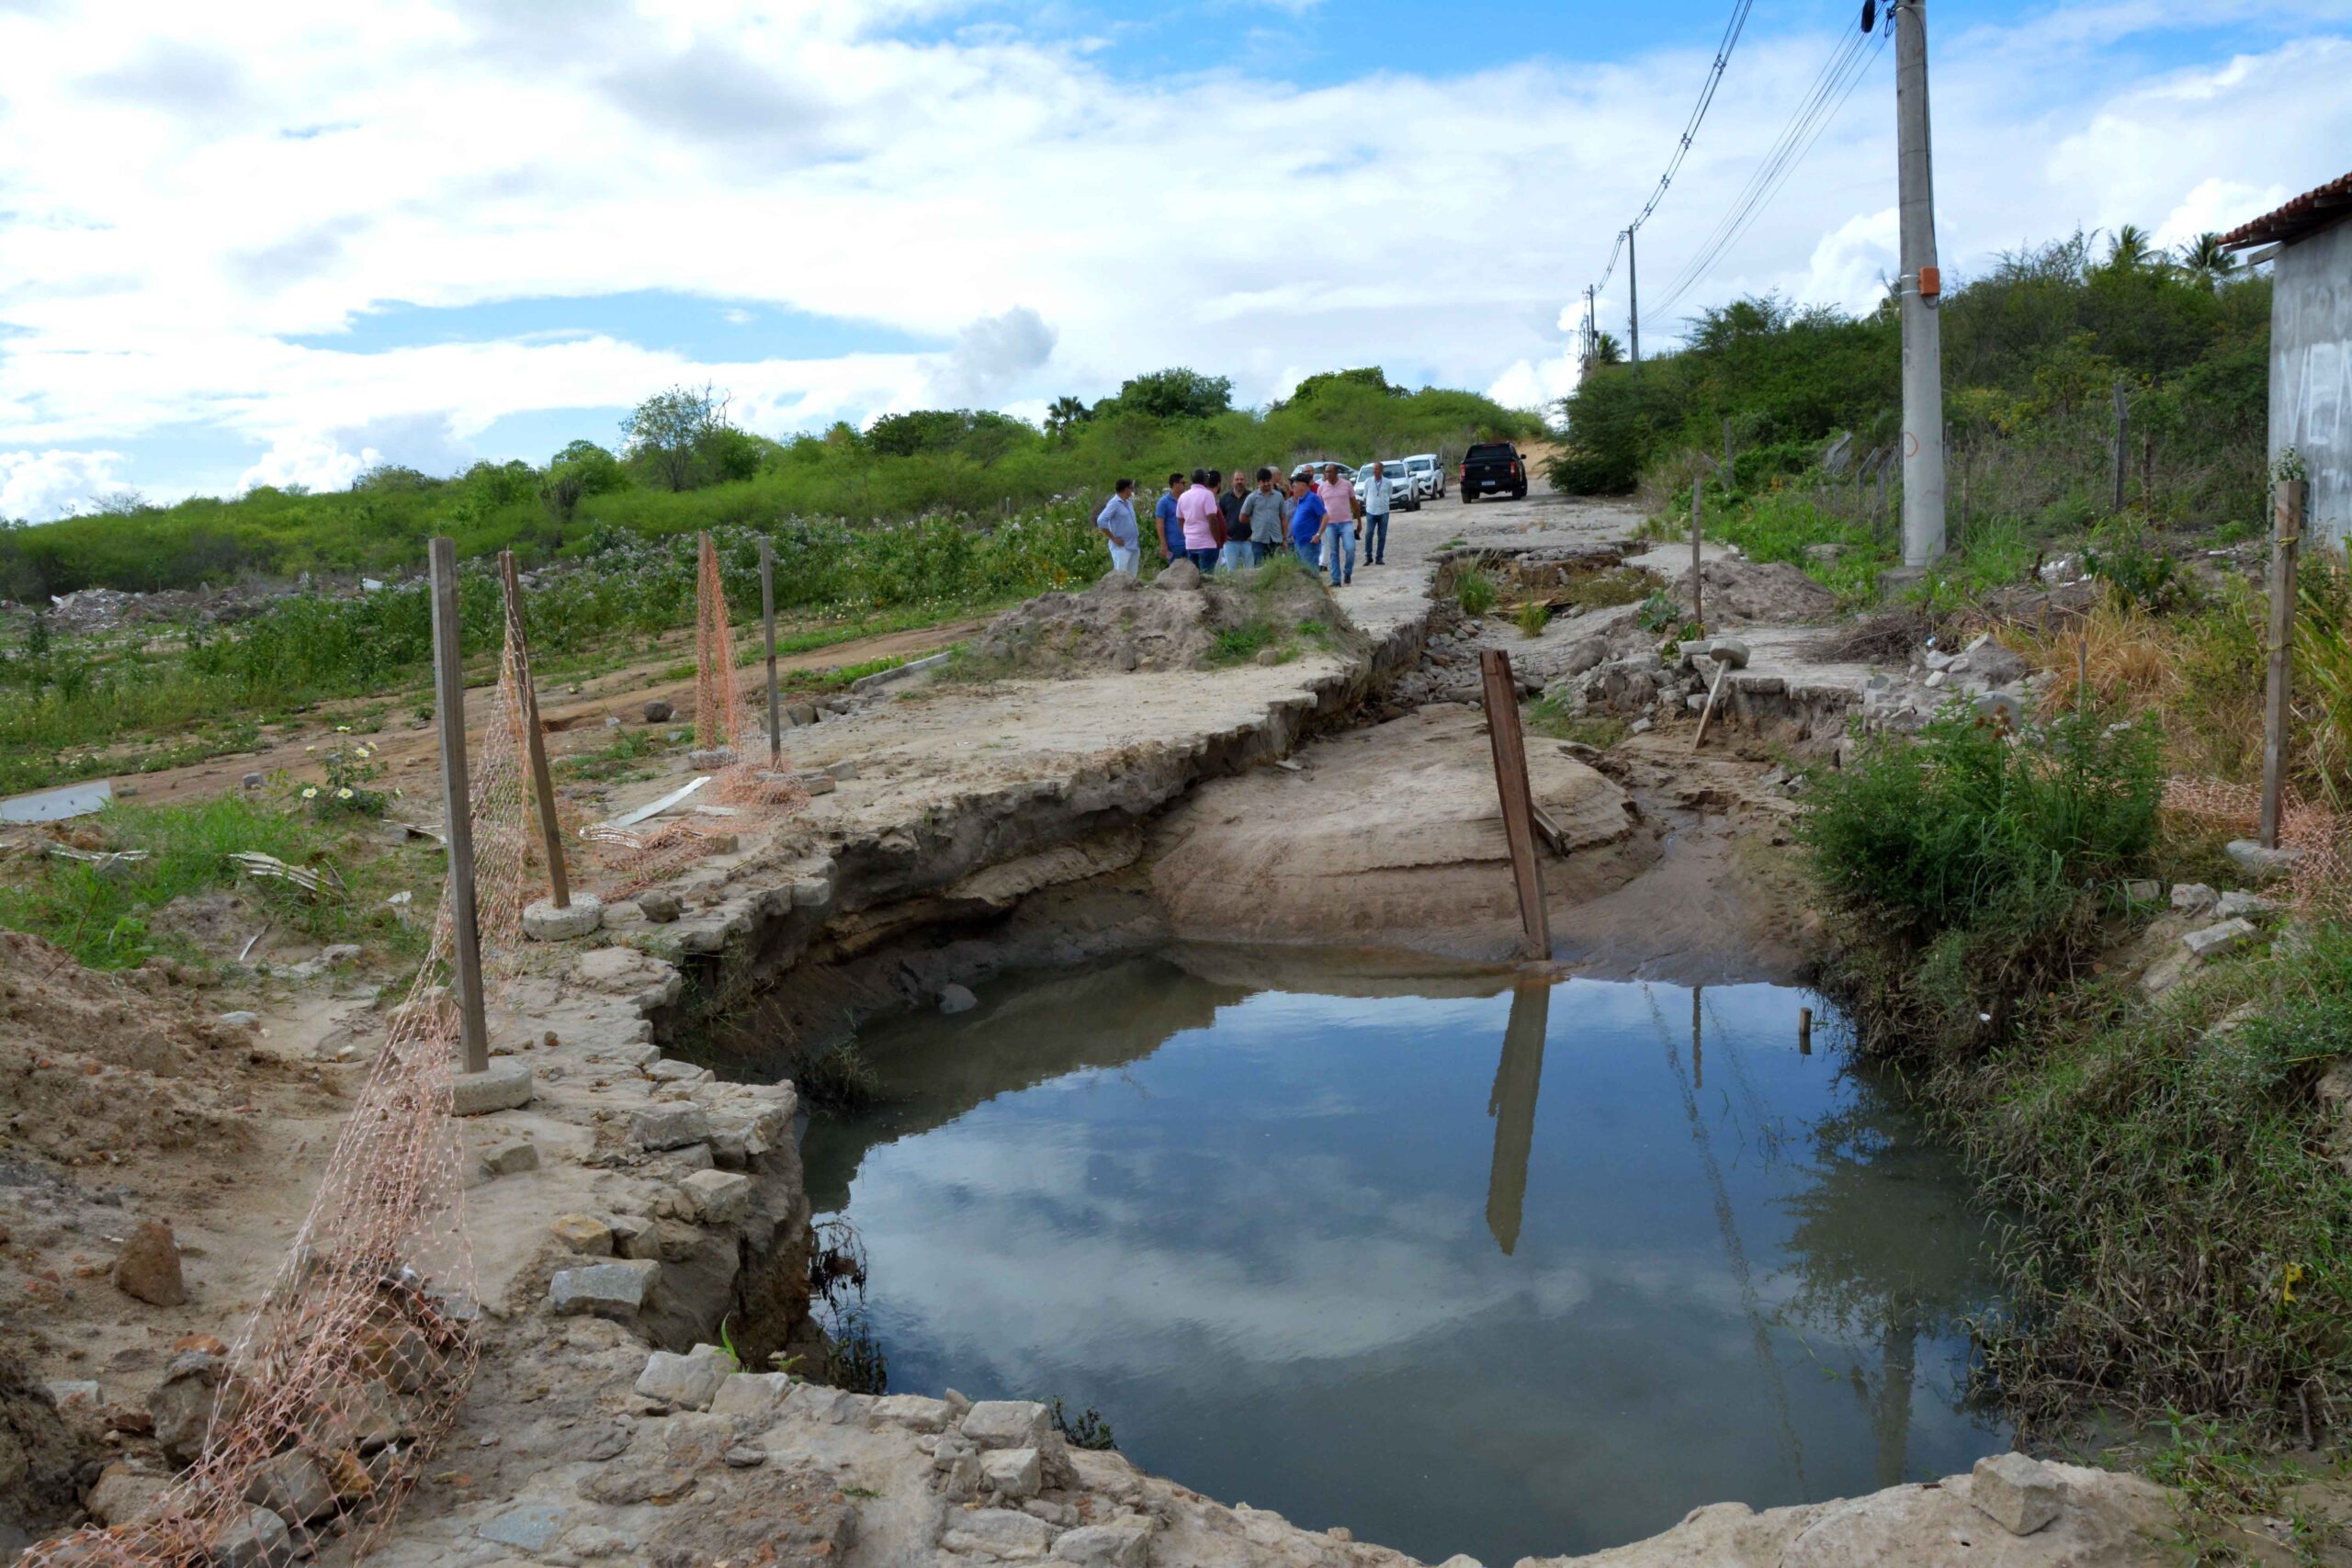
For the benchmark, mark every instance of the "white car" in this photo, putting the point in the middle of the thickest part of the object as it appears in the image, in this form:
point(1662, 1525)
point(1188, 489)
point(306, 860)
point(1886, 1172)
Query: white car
point(1404, 491)
point(1313, 472)
point(1428, 474)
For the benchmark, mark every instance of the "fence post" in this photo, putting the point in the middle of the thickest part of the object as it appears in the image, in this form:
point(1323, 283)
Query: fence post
point(535, 743)
point(767, 615)
point(1698, 604)
point(1501, 695)
point(2288, 501)
point(449, 702)
point(2122, 441)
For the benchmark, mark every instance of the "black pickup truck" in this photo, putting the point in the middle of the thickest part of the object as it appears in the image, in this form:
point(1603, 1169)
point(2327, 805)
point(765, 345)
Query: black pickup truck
point(1493, 468)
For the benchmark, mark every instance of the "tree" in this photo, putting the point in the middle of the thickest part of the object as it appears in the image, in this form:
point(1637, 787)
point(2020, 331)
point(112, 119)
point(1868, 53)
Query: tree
point(581, 469)
point(1607, 350)
point(1368, 375)
point(671, 433)
point(2208, 261)
point(1176, 393)
point(1064, 418)
point(2131, 250)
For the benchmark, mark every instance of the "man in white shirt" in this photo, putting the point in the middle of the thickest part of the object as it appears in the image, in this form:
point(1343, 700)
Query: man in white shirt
point(1376, 495)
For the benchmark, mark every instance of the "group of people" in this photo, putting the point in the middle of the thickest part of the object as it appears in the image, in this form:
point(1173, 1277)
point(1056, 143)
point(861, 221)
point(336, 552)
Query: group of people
point(1231, 527)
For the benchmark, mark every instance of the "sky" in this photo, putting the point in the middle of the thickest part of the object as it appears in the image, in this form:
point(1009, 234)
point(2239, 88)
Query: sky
point(262, 243)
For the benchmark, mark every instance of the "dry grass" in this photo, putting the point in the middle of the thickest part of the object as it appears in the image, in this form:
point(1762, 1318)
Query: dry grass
point(2122, 657)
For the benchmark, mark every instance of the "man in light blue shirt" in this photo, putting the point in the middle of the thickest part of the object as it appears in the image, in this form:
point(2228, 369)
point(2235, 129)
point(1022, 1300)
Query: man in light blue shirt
point(1117, 520)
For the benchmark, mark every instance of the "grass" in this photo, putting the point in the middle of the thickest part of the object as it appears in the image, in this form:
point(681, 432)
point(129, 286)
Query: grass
point(625, 757)
point(1531, 617)
point(103, 917)
point(1603, 590)
point(1474, 591)
point(1242, 644)
point(1548, 716)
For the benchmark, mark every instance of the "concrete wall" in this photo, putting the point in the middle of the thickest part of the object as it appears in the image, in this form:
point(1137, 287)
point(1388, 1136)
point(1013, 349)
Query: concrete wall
point(2310, 371)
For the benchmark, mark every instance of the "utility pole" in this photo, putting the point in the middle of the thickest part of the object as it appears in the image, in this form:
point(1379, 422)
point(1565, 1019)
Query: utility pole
point(1633, 282)
point(1922, 287)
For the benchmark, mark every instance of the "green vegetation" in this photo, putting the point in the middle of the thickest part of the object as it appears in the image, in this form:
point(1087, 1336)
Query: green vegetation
point(1548, 717)
point(1531, 617)
point(104, 913)
point(1475, 591)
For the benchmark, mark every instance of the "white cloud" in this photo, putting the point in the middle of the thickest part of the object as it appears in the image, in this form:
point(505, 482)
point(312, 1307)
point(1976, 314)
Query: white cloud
point(311, 458)
point(177, 211)
point(37, 486)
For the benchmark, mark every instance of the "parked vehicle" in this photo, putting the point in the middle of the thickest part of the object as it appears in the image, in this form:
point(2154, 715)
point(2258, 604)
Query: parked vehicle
point(1493, 468)
point(1404, 496)
point(1313, 472)
point(1428, 474)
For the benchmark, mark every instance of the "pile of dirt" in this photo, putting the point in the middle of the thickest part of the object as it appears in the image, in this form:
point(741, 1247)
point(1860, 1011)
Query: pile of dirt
point(1770, 592)
point(95, 1068)
point(41, 1455)
point(1180, 620)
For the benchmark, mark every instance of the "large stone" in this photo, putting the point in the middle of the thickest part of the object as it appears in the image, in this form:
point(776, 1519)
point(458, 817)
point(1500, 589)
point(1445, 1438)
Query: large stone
point(603, 1290)
point(531, 1529)
point(2231, 906)
point(687, 1381)
point(657, 711)
point(259, 1539)
point(954, 999)
point(2194, 897)
point(542, 921)
point(292, 1486)
point(672, 1126)
point(2219, 941)
point(1179, 576)
point(915, 1410)
point(2018, 1493)
point(720, 1197)
point(148, 1267)
point(1016, 1472)
point(1121, 1544)
point(584, 1233)
point(2260, 860)
point(1003, 1533)
point(510, 1157)
point(181, 1406)
point(759, 1394)
point(127, 1496)
point(1008, 1424)
point(502, 1086)
point(660, 905)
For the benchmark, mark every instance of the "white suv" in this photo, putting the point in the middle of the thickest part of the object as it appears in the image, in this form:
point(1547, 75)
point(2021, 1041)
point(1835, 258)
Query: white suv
point(1426, 473)
point(1405, 490)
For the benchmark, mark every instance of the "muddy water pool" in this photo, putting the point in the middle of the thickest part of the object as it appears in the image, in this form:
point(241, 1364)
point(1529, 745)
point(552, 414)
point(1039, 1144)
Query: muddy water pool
point(1461, 1264)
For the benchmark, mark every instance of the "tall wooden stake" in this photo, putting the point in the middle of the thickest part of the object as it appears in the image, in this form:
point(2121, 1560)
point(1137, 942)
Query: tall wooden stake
point(1698, 601)
point(1502, 695)
point(535, 742)
point(2288, 501)
point(449, 702)
point(767, 615)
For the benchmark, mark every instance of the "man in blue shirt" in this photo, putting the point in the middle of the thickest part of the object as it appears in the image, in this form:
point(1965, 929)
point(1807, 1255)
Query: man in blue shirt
point(1117, 520)
point(1172, 527)
point(1305, 522)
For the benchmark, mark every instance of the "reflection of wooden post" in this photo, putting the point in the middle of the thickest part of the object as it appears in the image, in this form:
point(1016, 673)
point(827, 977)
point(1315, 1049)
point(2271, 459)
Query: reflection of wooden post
point(767, 615)
point(1698, 1069)
point(1510, 784)
point(1519, 1078)
point(1805, 1031)
point(2288, 499)
point(535, 744)
point(449, 703)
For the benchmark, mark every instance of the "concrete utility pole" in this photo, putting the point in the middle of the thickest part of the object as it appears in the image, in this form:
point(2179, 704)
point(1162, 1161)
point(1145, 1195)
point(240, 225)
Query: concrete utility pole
point(1922, 286)
point(1634, 283)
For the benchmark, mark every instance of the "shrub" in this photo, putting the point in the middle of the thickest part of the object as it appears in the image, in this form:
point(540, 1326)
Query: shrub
point(1474, 591)
point(1531, 617)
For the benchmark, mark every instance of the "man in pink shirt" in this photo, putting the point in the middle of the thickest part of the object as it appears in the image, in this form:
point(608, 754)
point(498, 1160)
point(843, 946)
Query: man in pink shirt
point(1203, 522)
point(1338, 524)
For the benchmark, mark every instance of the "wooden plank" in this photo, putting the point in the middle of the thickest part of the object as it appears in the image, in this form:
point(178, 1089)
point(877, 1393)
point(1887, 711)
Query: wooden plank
point(1501, 695)
point(1548, 830)
point(533, 737)
point(2288, 503)
point(449, 705)
point(1723, 669)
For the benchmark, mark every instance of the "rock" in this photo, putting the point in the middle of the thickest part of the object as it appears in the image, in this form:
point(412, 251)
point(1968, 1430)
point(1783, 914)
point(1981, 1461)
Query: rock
point(252, 781)
point(660, 906)
point(744, 1456)
point(1641, 727)
point(241, 1018)
point(2217, 941)
point(148, 1267)
point(816, 783)
point(671, 1070)
point(257, 1541)
point(603, 1290)
point(1935, 678)
point(510, 1158)
point(956, 998)
point(1122, 1545)
point(1016, 1472)
point(127, 1496)
point(1007, 1532)
point(720, 1197)
point(685, 1381)
point(2018, 1493)
point(2230, 906)
point(542, 921)
point(67, 1392)
point(1995, 665)
point(1178, 576)
point(2143, 891)
point(657, 712)
point(659, 1127)
point(292, 1486)
point(584, 1233)
point(841, 772)
point(758, 1394)
point(2194, 897)
point(800, 713)
point(529, 1529)
point(1008, 1424)
point(1728, 650)
point(1268, 657)
point(914, 1410)
point(503, 1086)
point(182, 1403)
point(2003, 707)
point(1461, 1560)
point(710, 758)
point(2259, 861)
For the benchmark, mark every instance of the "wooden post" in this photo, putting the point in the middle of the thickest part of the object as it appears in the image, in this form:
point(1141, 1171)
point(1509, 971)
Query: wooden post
point(768, 615)
point(1805, 1031)
point(1698, 604)
point(535, 742)
point(449, 702)
point(2122, 442)
point(2289, 498)
point(1510, 785)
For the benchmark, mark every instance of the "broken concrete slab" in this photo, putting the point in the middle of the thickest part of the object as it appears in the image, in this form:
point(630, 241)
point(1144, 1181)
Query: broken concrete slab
point(502, 1086)
point(616, 1290)
point(2019, 1494)
point(542, 921)
point(2219, 941)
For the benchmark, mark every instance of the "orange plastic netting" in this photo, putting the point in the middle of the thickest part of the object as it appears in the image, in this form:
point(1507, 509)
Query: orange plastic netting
point(2320, 882)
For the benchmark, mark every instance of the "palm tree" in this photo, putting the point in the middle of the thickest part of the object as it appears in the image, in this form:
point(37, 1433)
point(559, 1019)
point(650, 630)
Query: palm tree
point(2208, 261)
point(1064, 415)
point(1607, 350)
point(2131, 251)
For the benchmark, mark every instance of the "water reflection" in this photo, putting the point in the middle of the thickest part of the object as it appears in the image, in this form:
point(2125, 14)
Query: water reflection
point(1241, 1217)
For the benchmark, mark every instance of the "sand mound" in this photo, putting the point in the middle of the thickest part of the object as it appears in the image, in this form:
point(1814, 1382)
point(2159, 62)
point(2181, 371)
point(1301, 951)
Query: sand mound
point(1743, 590)
point(1178, 621)
point(92, 1065)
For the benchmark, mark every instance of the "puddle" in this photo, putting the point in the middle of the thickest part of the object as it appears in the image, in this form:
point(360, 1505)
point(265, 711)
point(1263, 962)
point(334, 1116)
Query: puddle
point(1461, 1267)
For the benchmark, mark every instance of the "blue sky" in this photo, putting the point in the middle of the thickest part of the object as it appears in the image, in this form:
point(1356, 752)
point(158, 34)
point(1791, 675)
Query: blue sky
point(427, 233)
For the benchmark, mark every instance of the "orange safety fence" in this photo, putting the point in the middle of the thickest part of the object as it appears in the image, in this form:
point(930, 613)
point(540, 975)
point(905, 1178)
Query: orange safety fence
point(2320, 880)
